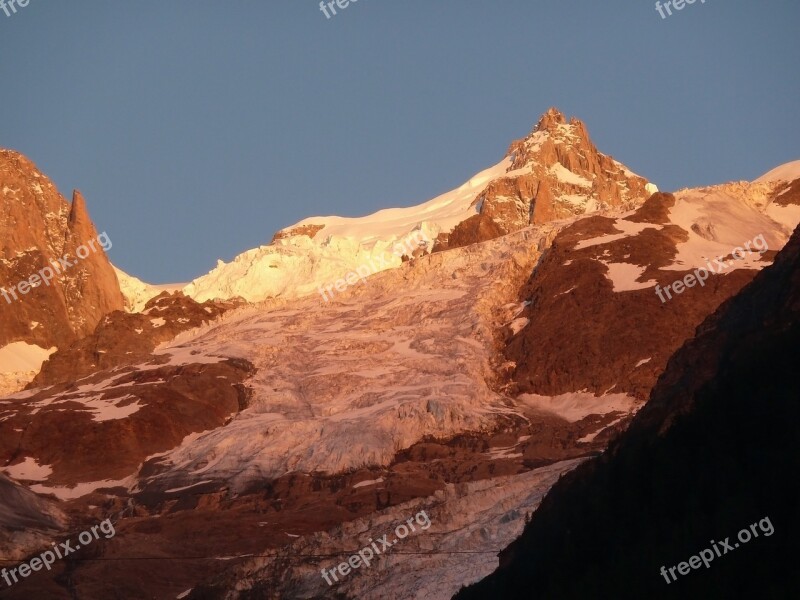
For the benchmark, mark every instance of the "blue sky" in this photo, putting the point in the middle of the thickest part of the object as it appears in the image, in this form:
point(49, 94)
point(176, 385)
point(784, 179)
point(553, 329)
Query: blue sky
point(196, 129)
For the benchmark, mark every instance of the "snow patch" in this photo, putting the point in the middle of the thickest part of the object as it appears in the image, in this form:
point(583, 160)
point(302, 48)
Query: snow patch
point(726, 220)
point(82, 489)
point(519, 324)
point(23, 357)
point(367, 483)
point(628, 228)
point(137, 293)
point(28, 470)
point(623, 276)
point(575, 406)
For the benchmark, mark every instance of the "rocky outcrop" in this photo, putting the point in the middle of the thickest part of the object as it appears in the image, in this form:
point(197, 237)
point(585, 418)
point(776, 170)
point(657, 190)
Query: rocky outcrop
point(122, 339)
point(307, 230)
point(712, 453)
point(554, 173)
point(564, 158)
point(787, 193)
point(476, 229)
point(37, 228)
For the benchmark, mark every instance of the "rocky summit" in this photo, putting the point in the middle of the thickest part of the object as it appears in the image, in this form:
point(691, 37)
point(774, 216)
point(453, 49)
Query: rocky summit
point(39, 228)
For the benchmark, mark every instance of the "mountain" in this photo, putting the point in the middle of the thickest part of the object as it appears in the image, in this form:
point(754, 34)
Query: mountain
point(51, 295)
point(252, 433)
point(712, 454)
point(553, 173)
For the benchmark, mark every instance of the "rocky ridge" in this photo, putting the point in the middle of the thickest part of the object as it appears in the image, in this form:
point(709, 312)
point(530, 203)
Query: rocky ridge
point(38, 226)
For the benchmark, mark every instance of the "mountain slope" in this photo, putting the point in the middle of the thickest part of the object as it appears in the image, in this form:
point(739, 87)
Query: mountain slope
point(713, 452)
point(597, 302)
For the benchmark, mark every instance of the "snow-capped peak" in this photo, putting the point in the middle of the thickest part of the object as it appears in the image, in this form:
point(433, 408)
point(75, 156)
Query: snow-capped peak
point(786, 172)
point(555, 172)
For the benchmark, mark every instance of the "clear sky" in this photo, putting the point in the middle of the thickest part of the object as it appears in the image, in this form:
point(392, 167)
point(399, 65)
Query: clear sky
point(196, 128)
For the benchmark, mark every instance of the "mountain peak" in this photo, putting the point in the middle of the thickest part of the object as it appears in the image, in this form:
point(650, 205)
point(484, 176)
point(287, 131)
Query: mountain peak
point(551, 131)
point(38, 226)
point(554, 122)
point(568, 175)
point(550, 120)
point(553, 173)
point(78, 213)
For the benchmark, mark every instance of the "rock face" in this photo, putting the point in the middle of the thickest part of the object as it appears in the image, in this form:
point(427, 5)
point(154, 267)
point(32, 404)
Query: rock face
point(122, 339)
point(27, 521)
point(37, 228)
point(555, 172)
point(570, 176)
point(712, 453)
point(306, 230)
point(596, 314)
